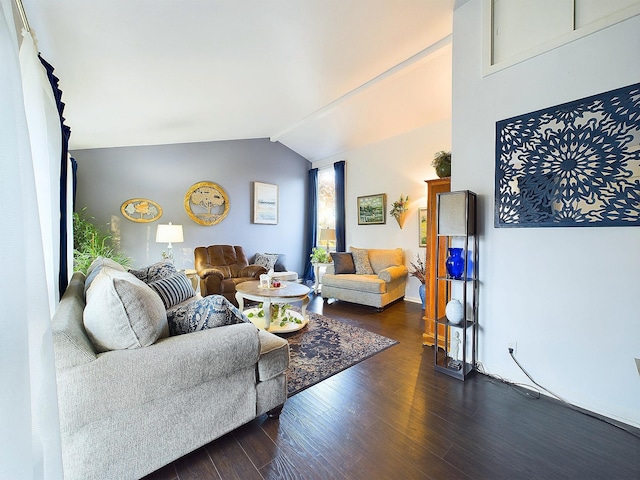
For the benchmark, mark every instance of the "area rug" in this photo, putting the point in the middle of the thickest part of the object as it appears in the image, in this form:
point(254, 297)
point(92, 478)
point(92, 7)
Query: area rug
point(326, 347)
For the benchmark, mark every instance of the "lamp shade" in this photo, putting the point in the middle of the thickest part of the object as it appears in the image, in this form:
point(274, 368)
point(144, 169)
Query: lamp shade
point(328, 235)
point(169, 234)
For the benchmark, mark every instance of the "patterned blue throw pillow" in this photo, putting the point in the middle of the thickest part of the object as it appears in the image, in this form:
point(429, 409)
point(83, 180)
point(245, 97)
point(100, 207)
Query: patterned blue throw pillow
point(154, 272)
point(210, 312)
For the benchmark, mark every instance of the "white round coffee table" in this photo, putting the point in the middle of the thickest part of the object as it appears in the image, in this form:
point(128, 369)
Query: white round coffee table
point(288, 292)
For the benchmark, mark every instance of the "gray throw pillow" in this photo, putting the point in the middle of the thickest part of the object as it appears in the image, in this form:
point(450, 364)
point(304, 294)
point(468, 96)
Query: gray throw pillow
point(266, 260)
point(123, 312)
point(343, 263)
point(280, 265)
point(361, 261)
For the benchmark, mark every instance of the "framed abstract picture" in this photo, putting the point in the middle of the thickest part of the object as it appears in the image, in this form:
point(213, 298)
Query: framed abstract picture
point(265, 203)
point(372, 209)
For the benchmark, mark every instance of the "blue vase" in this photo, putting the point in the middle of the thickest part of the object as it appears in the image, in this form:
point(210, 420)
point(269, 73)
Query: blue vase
point(455, 263)
point(423, 295)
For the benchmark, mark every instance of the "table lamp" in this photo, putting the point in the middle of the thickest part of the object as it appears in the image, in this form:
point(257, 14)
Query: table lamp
point(169, 234)
point(328, 235)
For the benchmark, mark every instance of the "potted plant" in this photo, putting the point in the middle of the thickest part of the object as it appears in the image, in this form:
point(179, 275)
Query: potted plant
point(320, 255)
point(442, 163)
point(89, 243)
point(399, 210)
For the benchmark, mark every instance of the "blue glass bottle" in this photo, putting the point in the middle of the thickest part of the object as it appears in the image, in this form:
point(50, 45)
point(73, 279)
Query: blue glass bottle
point(455, 263)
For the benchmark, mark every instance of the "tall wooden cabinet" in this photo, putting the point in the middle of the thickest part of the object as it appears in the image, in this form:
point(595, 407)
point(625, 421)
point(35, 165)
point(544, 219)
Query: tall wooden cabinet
point(434, 187)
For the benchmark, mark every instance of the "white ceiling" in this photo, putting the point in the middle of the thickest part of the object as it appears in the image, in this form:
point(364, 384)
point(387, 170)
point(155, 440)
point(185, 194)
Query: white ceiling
point(320, 76)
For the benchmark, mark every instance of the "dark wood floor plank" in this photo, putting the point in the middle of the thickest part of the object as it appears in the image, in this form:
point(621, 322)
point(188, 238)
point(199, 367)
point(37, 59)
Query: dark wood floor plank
point(230, 459)
point(168, 472)
point(393, 417)
point(196, 465)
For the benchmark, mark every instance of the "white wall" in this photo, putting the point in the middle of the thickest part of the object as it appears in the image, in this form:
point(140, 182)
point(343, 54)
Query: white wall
point(568, 296)
point(395, 166)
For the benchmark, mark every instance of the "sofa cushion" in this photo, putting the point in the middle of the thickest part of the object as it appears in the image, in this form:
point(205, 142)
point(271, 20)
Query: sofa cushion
point(173, 289)
point(361, 261)
point(381, 259)
point(266, 260)
point(96, 267)
point(123, 312)
point(362, 283)
point(343, 263)
point(100, 262)
point(155, 271)
point(209, 312)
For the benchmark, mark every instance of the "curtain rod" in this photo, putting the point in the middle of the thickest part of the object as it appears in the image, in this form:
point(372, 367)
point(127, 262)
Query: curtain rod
point(23, 15)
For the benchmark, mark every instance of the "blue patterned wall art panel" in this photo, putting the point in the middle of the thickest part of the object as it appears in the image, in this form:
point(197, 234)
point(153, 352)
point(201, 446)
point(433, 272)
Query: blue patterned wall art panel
point(572, 165)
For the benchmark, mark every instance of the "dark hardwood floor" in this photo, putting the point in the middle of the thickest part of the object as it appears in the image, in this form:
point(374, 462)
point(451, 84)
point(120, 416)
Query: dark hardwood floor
point(393, 417)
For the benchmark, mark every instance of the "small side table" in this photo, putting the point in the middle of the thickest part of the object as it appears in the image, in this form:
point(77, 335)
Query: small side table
point(316, 274)
point(193, 276)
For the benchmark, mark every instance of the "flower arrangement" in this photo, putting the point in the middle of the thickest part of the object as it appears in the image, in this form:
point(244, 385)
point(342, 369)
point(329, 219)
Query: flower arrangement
point(400, 206)
point(418, 269)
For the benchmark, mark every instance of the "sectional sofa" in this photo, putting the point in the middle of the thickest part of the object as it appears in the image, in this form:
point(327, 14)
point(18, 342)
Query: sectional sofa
point(133, 398)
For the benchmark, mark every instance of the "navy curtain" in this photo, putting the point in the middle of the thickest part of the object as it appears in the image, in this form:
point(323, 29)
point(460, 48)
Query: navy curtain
point(312, 223)
point(338, 169)
point(63, 275)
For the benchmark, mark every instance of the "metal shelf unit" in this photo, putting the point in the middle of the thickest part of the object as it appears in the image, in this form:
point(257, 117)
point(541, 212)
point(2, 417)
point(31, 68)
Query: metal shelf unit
point(456, 354)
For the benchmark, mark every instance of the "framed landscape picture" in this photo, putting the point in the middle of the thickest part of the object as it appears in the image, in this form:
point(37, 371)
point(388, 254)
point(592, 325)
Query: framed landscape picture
point(422, 225)
point(265, 203)
point(372, 209)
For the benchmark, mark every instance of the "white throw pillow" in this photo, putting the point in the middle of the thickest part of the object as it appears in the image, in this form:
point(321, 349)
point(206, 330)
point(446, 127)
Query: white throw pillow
point(123, 312)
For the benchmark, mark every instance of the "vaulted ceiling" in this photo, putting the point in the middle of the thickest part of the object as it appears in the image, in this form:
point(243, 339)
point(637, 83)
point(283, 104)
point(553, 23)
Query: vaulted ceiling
point(320, 76)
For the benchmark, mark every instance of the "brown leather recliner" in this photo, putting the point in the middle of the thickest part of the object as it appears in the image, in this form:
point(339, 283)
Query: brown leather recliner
point(221, 268)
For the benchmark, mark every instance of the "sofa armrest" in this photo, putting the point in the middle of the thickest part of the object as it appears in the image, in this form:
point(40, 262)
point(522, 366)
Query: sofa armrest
point(253, 271)
point(395, 272)
point(120, 379)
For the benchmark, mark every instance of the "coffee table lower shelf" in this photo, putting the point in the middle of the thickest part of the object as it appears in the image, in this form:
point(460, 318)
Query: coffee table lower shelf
point(275, 326)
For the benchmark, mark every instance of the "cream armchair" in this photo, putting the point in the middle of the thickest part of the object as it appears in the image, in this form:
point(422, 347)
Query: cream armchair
point(376, 277)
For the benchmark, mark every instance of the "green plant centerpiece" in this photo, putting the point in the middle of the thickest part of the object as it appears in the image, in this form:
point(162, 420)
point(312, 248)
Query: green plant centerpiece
point(442, 163)
point(90, 242)
point(280, 314)
point(320, 255)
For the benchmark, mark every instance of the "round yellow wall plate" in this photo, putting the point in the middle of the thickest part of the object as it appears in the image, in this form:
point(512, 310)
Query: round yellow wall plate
point(141, 210)
point(206, 203)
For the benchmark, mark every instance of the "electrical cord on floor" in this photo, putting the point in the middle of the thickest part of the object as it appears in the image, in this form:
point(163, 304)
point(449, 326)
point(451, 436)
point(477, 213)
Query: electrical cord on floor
point(525, 390)
point(567, 403)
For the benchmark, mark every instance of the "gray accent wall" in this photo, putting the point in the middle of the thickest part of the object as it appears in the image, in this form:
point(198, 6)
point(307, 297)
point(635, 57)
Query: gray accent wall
point(107, 177)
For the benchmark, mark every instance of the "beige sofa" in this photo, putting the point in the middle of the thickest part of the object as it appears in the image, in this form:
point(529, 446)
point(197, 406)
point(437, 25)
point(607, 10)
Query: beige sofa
point(379, 277)
point(126, 412)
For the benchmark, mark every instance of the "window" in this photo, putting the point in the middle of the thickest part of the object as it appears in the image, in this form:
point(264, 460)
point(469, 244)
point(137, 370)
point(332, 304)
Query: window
point(326, 205)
